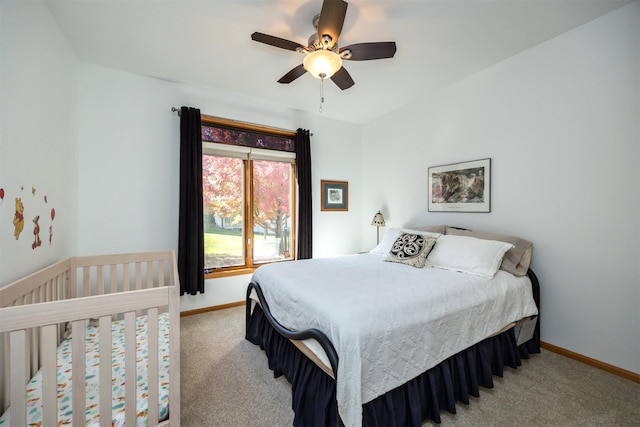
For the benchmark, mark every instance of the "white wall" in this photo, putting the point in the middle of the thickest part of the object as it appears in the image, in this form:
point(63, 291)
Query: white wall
point(37, 138)
point(129, 164)
point(561, 125)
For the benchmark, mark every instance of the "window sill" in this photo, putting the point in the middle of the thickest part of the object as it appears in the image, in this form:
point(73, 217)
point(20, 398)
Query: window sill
point(227, 272)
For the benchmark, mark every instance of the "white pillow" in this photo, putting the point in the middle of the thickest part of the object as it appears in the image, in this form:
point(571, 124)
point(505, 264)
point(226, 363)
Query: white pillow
point(468, 255)
point(392, 234)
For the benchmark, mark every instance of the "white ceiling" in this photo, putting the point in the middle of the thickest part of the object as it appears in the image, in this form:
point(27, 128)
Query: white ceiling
point(208, 43)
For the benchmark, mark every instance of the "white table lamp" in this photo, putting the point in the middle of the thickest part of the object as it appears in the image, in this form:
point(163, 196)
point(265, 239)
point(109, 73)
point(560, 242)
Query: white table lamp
point(378, 221)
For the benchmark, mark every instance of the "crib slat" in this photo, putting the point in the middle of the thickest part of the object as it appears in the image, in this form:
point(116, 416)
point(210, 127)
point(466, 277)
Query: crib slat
point(149, 274)
point(31, 346)
point(161, 273)
point(36, 350)
point(49, 379)
point(113, 272)
point(6, 372)
point(174, 346)
point(66, 286)
point(61, 286)
point(86, 281)
point(152, 368)
point(78, 364)
point(72, 284)
point(18, 378)
point(100, 280)
point(105, 371)
point(130, 367)
point(48, 292)
point(138, 275)
point(56, 289)
point(125, 277)
point(138, 272)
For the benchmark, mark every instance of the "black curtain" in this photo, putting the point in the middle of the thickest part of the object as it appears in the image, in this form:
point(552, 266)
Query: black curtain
point(303, 175)
point(191, 228)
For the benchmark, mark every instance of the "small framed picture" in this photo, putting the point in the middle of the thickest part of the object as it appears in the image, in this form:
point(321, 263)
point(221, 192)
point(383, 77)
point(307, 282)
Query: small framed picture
point(460, 187)
point(335, 195)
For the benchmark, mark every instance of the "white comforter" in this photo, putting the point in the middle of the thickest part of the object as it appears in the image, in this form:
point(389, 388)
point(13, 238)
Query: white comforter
point(389, 322)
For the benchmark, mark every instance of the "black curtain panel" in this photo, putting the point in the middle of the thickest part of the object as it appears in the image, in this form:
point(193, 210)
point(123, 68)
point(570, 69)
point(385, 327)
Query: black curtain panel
point(191, 228)
point(303, 175)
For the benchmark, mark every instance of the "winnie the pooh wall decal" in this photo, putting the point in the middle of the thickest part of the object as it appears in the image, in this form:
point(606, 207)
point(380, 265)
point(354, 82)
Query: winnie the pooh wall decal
point(36, 233)
point(18, 219)
point(24, 209)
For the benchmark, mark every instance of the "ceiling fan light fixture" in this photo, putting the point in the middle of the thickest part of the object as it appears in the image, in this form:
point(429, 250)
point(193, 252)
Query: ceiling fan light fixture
point(322, 63)
point(322, 55)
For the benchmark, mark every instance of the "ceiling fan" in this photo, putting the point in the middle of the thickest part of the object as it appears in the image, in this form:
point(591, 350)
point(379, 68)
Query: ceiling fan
point(323, 57)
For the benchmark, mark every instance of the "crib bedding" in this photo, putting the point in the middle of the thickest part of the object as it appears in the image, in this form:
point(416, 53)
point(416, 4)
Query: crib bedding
point(64, 363)
point(388, 321)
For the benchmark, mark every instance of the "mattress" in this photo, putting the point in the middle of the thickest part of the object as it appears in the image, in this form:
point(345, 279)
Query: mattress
point(389, 322)
point(34, 387)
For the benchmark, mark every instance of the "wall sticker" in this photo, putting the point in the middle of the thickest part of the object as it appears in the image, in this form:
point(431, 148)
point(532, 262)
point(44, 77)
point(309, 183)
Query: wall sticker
point(25, 205)
point(18, 218)
point(36, 233)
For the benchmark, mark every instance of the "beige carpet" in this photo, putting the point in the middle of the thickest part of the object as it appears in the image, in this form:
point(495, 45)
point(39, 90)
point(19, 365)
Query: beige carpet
point(226, 382)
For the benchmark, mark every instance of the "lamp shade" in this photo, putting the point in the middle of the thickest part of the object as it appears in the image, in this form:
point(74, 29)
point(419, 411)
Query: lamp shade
point(378, 220)
point(322, 63)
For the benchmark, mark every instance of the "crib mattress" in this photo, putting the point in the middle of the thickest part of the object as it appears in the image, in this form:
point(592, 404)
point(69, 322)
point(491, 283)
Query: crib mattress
point(34, 387)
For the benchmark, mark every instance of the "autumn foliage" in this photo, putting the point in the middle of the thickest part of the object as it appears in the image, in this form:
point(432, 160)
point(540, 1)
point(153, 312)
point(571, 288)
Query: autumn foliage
point(223, 192)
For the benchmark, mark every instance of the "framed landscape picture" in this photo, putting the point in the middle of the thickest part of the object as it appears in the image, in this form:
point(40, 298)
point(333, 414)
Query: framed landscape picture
point(460, 187)
point(335, 195)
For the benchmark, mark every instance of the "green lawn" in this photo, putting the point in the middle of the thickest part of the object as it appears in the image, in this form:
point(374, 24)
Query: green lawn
point(229, 243)
point(223, 242)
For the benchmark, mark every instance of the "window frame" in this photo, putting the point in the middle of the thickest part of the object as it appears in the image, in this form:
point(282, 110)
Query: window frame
point(248, 155)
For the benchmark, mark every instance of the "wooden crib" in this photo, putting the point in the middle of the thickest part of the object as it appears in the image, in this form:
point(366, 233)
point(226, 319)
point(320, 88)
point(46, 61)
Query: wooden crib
point(72, 296)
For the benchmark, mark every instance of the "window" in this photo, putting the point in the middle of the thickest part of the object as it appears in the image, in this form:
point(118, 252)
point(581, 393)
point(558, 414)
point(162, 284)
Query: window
point(248, 196)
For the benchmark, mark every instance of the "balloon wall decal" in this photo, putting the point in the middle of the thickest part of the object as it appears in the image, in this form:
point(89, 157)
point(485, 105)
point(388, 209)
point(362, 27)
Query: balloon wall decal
point(53, 215)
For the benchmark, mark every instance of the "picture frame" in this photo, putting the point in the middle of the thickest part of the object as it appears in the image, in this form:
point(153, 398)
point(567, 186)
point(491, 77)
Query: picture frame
point(335, 195)
point(460, 187)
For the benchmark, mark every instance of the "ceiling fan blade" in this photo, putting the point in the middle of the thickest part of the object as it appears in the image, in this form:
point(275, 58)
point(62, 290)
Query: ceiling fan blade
point(367, 51)
point(293, 74)
point(276, 41)
point(331, 20)
point(343, 79)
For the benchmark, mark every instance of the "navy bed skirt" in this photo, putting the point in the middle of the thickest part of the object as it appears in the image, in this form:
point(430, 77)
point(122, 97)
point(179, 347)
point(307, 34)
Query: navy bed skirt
point(314, 392)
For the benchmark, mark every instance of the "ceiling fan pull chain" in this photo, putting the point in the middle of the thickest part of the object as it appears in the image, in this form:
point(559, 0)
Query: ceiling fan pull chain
point(321, 92)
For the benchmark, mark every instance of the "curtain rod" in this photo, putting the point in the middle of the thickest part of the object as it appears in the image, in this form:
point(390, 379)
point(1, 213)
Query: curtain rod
point(177, 110)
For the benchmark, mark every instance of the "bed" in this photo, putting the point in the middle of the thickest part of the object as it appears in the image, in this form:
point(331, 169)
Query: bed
point(367, 339)
point(115, 319)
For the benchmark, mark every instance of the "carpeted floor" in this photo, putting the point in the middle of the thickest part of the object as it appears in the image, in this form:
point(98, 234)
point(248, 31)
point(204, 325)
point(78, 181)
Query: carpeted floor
point(226, 382)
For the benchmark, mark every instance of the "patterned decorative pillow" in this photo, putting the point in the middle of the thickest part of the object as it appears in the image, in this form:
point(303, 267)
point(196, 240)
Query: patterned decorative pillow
point(392, 234)
point(411, 249)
